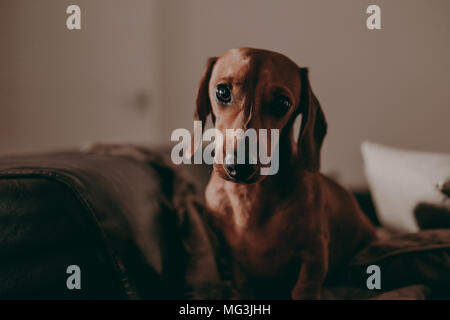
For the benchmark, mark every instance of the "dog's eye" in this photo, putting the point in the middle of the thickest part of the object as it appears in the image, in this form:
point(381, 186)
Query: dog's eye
point(223, 93)
point(280, 106)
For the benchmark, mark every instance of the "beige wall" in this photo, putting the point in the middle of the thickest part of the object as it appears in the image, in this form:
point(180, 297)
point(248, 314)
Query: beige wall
point(59, 88)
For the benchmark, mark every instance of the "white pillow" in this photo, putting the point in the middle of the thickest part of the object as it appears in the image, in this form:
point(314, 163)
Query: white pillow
point(401, 179)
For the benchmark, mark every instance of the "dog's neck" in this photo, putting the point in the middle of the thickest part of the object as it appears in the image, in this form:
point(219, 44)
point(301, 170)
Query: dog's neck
point(249, 205)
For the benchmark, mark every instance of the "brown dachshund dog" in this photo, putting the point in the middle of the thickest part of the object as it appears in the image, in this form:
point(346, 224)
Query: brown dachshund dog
point(283, 232)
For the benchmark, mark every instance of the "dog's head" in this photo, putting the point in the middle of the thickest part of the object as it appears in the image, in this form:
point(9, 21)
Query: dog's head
point(258, 89)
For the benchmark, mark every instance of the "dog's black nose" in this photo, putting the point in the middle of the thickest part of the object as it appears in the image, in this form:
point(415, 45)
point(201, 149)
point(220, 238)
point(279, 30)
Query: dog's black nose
point(236, 170)
point(231, 169)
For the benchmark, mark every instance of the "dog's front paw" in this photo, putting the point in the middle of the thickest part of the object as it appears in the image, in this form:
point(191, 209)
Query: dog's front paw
point(306, 297)
point(297, 294)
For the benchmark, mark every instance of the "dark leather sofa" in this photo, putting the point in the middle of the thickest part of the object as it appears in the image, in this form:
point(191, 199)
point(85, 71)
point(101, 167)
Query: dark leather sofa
point(131, 226)
point(64, 209)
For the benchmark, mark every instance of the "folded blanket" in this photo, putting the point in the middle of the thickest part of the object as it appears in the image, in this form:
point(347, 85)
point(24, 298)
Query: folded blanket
point(201, 265)
point(412, 266)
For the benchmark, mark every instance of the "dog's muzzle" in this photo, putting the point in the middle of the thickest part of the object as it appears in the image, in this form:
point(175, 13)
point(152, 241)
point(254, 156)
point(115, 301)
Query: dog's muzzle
point(238, 172)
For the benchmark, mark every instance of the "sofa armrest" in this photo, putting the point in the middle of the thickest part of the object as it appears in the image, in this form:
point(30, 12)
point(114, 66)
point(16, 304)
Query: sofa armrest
point(105, 214)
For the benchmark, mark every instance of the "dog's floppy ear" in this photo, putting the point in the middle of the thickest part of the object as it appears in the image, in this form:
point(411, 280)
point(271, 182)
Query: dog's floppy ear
point(202, 108)
point(203, 105)
point(313, 127)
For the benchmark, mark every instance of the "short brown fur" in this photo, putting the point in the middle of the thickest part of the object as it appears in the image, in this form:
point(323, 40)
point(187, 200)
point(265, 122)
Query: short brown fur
point(284, 232)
